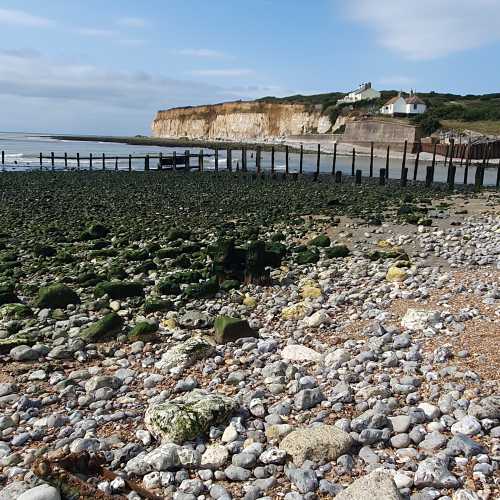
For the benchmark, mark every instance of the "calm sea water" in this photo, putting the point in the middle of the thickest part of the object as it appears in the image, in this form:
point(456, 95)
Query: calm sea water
point(22, 152)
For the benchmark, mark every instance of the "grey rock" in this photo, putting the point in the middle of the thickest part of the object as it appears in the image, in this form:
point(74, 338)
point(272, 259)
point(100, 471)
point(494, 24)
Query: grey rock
point(234, 473)
point(308, 398)
point(42, 492)
point(464, 445)
point(305, 480)
point(378, 485)
point(434, 472)
point(186, 354)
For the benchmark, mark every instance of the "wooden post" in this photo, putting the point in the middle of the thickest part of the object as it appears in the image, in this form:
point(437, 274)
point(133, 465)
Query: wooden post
point(78, 161)
point(433, 165)
point(160, 161)
point(404, 176)
point(65, 160)
point(146, 163)
point(450, 164)
point(498, 175)
point(229, 160)
point(90, 161)
point(371, 159)
point(403, 163)
point(244, 159)
point(187, 160)
point(334, 161)
point(318, 161)
point(446, 155)
point(217, 159)
point(116, 163)
point(338, 177)
point(358, 177)
point(386, 170)
point(272, 160)
point(3, 157)
point(301, 159)
point(41, 161)
point(353, 166)
point(130, 163)
point(429, 176)
point(383, 173)
point(52, 160)
point(287, 161)
point(417, 159)
point(451, 176)
point(174, 161)
point(200, 160)
point(103, 161)
point(477, 179)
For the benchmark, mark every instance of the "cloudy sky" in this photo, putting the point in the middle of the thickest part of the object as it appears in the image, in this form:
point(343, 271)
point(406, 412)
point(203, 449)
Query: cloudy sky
point(105, 67)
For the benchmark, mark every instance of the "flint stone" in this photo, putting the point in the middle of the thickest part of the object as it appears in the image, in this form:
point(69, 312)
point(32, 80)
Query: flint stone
point(188, 416)
point(419, 319)
point(42, 492)
point(378, 485)
point(308, 398)
point(434, 472)
point(215, 457)
point(319, 443)
point(186, 354)
point(299, 353)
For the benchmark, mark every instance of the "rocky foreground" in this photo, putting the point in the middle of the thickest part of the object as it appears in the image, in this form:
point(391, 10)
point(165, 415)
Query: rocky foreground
point(166, 338)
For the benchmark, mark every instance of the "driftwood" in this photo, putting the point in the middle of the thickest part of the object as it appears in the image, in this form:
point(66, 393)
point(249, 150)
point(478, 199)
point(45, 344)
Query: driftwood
point(61, 473)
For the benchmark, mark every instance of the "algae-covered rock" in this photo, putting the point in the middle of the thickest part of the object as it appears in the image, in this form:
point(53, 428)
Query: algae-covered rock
point(57, 296)
point(158, 305)
point(297, 311)
point(337, 251)
point(228, 285)
point(15, 311)
point(311, 292)
point(188, 417)
point(41, 250)
point(186, 354)
point(7, 294)
point(7, 344)
point(144, 330)
point(203, 290)
point(250, 302)
point(321, 241)
point(106, 327)
point(395, 274)
point(178, 234)
point(308, 257)
point(94, 232)
point(168, 287)
point(119, 289)
point(229, 329)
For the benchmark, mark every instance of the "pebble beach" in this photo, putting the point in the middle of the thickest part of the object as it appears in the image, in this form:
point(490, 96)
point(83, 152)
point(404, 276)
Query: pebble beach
point(216, 336)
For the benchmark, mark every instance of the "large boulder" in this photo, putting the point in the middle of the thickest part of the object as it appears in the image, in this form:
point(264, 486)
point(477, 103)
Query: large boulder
point(186, 354)
point(108, 326)
point(378, 485)
point(319, 443)
point(231, 329)
point(189, 416)
point(144, 330)
point(56, 296)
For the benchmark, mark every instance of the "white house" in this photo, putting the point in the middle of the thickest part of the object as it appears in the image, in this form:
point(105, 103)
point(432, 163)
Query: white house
point(363, 93)
point(400, 105)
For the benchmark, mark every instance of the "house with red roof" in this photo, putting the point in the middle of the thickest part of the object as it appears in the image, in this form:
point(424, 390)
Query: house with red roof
point(399, 105)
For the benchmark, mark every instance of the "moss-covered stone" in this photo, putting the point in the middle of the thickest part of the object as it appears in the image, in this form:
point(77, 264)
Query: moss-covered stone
point(321, 241)
point(119, 289)
point(10, 342)
point(105, 328)
point(337, 251)
point(203, 290)
point(57, 295)
point(169, 252)
point(186, 354)
point(168, 287)
point(188, 417)
point(229, 329)
point(178, 234)
point(15, 311)
point(94, 232)
point(41, 250)
point(136, 255)
point(145, 331)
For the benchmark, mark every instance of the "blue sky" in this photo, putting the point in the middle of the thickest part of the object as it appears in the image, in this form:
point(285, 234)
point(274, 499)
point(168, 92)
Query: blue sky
point(105, 67)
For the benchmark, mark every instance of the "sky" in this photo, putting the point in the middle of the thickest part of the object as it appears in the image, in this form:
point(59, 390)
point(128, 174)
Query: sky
point(106, 67)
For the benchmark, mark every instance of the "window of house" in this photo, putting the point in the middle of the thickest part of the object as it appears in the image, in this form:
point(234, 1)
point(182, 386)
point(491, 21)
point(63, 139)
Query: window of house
point(414, 106)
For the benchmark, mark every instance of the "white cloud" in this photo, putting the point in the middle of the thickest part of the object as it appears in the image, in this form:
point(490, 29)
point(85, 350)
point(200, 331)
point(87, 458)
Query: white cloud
point(236, 72)
point(97, 32)
point(429, 29)
point(202, 53)
point(20, 18)
point(132, 22)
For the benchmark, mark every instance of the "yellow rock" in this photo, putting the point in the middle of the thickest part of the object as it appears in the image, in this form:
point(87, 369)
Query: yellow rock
point(388, 245)
point(311, 292)
point(297, 311)
point(249, 302)
point(395, 274)
point(169, 323)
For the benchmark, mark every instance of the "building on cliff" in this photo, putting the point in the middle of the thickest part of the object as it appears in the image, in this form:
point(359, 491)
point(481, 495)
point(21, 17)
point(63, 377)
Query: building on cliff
point(400, 105)
point(364, 92)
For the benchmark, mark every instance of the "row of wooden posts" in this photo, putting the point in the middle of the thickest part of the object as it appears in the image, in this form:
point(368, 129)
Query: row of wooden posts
point(384, 173)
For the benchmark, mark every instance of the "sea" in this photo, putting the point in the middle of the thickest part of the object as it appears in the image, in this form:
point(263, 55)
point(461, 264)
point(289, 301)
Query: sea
point(22, 153)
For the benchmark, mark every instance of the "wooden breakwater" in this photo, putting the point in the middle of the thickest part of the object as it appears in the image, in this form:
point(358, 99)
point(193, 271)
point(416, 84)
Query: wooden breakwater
point(293, 164)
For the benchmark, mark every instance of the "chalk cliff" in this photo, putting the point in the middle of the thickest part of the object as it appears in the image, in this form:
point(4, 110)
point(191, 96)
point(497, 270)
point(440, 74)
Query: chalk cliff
point(240, 121)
